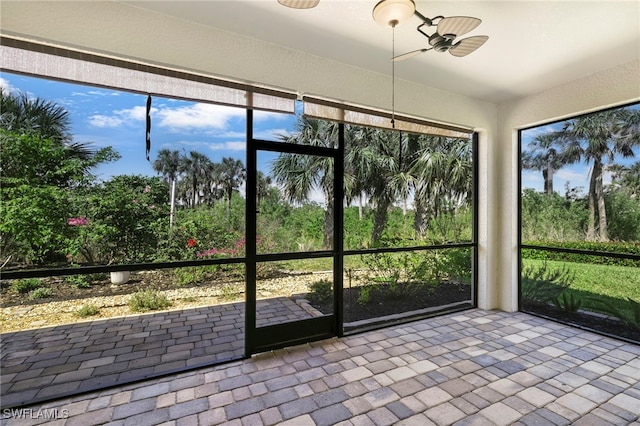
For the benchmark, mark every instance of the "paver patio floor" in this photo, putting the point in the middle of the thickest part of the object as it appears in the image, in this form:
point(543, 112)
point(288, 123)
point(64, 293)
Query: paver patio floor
point(53, 361)
point(469, 368)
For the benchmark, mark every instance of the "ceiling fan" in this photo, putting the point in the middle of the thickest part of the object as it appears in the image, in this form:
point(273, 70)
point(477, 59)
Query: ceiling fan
point(443, 39)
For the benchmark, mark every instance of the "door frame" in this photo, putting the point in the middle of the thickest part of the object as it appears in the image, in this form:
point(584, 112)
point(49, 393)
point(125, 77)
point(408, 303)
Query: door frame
point(260, 339)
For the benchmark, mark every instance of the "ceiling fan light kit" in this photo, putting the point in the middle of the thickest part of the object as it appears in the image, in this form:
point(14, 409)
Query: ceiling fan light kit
point(393, 12)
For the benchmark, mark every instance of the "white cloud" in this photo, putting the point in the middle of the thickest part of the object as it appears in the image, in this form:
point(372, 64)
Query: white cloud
point(212, 146)
point(138, 113)
point(271, 116)
point(196, 116)
point(96, 93)
point(272, 134)
point(571, 175)
point(228, 146)
point(6, 87)
point(119, 117)
point(103, 121)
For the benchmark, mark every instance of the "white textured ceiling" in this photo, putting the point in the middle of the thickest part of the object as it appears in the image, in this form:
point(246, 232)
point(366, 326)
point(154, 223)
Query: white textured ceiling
point(533, 45)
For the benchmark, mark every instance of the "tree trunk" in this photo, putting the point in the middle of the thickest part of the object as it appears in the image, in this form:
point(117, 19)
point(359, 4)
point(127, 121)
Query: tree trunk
point(173, 202)
point(195, 190)
point(421, 219)
point(328, 224)
point(599, 193)
point(547, 174)
point(591, 227)
point(379, 220)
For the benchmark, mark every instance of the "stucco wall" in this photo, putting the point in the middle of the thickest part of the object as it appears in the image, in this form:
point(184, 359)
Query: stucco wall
point(615, 86)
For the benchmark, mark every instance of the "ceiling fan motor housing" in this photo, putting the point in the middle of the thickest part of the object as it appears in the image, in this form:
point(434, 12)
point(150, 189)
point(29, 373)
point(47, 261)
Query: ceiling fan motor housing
point(441, 43)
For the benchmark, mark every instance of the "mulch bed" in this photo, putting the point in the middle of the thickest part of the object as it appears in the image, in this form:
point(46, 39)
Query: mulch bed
point(384, 300)
point(590, 321)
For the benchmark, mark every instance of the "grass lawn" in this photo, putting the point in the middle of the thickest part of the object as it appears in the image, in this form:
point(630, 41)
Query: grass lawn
point(600, 285)
point(618, 282)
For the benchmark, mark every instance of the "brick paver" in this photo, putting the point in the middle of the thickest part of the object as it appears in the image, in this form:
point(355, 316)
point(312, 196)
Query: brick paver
point(471, 368)
point(39, 363)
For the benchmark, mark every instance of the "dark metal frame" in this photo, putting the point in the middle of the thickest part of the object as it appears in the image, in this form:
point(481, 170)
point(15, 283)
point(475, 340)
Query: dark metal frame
point(322, 327)
point(473, 245)
point(550, 248)
point(260, 339)
point(301, 331)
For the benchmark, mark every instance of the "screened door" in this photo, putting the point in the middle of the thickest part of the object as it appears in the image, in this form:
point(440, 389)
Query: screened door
point(295, 249)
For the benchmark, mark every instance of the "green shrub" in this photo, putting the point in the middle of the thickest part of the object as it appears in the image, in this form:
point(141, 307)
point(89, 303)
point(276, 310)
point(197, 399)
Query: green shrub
point(320, 291)
point(542, 284)
point(123, 213)
point(611, 247)
point(567, 301)
point(87, 311)
point(456, 265)
point(148, 300)
point(632, 315)
point(364, 296)
point(188, 276)
point(623, 216)
point(26, 285)
point(40, 293)
point(79, 281)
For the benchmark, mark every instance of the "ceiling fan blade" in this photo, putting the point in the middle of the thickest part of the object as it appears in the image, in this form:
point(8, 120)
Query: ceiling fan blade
point(408, 55)
point(467, 45)
point(299, 4)
point(457, 25)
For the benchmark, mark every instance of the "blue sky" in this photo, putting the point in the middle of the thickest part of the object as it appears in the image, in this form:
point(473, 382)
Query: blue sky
point(575, 175)
point(106, 117)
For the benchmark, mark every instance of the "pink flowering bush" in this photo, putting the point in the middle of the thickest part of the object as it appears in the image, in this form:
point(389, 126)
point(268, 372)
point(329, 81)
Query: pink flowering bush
point(77, 221)
point(238, 250)
point(118, 221)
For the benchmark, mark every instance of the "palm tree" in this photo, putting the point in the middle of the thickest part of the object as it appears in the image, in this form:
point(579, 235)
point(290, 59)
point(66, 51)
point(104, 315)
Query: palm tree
point(382, 174)
point(299, 174)
point(193, 167)
point(544, 154)
point(211, 190)
point(617, 171)
point(232, 176)
point(630, 180)
point(48, 123)
point(597, 139)
point(23, 114)
point(442, 174)
point(263, 184)
point(167, 163)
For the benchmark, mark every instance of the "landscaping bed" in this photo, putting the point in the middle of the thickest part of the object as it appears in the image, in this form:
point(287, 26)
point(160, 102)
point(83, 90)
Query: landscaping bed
point(585, 319)
point(383, 300)
point(19, 312)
